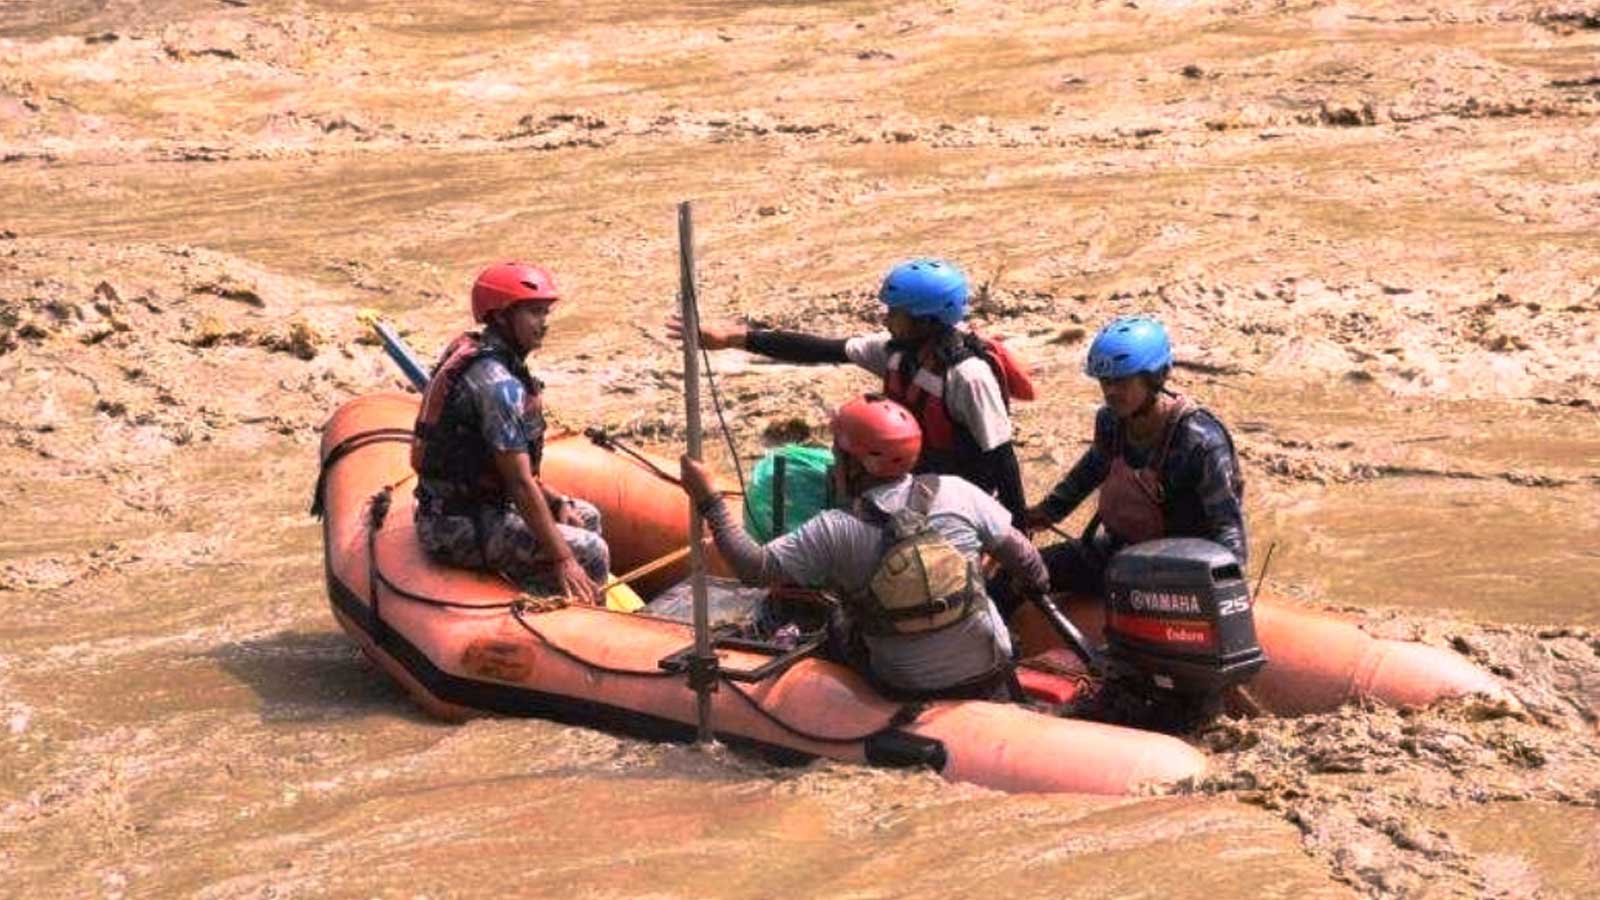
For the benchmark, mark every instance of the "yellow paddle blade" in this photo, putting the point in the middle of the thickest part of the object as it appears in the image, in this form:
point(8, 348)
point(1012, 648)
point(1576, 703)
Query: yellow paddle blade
point(622, 598)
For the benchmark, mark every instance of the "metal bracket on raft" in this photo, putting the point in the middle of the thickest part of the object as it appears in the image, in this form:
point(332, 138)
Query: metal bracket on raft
point(711, 668)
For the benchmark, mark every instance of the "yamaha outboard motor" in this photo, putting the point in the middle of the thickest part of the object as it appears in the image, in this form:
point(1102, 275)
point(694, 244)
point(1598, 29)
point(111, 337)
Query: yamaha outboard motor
point(1181, 632)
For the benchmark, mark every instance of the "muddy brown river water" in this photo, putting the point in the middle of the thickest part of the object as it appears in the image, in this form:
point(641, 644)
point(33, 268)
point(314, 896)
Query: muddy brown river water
point(1371, 226)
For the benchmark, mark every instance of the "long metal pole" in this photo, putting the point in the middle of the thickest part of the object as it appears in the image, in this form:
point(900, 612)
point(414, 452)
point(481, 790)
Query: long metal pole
point(702, 668)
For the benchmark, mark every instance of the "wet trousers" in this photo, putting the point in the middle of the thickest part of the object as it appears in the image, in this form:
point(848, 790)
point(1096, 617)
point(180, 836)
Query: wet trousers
point(495, 538)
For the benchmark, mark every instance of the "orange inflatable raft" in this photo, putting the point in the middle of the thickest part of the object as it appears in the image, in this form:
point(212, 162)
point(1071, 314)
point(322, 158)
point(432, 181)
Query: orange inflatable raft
point(462, 644)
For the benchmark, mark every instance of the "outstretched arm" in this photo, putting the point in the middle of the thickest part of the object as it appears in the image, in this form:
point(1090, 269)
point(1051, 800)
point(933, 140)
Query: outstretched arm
point(1081, 481)
point(752, 563)
point(789, 346)
point(795, 347)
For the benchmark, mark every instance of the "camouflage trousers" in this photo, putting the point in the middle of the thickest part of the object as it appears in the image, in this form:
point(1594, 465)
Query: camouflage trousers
point(497, 539)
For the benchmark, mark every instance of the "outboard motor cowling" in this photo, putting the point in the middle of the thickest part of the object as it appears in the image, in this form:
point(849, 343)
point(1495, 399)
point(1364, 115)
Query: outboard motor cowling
point(1179, 613)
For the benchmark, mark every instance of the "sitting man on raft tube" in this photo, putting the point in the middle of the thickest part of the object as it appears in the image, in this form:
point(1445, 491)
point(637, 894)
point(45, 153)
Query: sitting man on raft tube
point(902, 556)
point(957, 385)
point(477, 445)
point(1164, 466)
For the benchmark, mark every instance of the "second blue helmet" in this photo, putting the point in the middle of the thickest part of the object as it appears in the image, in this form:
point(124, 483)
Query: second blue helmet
point(1129, 345)
point(927, 287)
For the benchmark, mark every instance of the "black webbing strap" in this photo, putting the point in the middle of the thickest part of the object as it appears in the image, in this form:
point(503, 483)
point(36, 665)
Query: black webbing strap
point(346, 447)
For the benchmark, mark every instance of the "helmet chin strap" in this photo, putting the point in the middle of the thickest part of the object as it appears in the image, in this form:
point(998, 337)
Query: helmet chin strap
point(1149, 402)
point(507, 334)
point(927, 329)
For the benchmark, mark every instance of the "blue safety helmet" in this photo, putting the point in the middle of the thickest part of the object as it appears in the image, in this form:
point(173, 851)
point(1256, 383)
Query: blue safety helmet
point(927, 287)
point(1129, 345)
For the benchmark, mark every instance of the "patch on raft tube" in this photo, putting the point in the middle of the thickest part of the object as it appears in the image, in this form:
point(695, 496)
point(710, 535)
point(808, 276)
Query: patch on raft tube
point(499, 660)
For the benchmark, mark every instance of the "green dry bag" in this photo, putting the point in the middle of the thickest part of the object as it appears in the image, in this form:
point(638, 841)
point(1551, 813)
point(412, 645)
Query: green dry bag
point(805, 490)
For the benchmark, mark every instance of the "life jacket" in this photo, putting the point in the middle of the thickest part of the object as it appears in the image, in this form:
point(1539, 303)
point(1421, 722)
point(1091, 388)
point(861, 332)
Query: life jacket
point(921, 583)
point(917, 382)
point(1132, 503)
point(447, 442)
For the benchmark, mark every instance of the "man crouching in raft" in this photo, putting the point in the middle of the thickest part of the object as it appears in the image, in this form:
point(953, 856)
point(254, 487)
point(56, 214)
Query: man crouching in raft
point(477, 445)
point(957, 385)
point(902, 556)
point(1164, 466)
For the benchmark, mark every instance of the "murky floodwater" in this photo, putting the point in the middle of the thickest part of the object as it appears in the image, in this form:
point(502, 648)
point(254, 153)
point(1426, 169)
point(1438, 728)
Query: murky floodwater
point(185, 184)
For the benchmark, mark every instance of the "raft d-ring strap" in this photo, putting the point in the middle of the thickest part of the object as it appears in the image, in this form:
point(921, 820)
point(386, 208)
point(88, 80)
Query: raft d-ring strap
point(377, 511)
point(605, 441)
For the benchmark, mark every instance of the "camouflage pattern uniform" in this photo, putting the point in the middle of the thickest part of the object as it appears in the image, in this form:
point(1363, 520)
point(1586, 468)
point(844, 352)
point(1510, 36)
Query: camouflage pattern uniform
point(1204, 496)
point(458, 526)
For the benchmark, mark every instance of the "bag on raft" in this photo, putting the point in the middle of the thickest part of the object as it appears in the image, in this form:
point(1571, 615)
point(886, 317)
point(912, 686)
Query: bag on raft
point(805, 487)
point(756, 613)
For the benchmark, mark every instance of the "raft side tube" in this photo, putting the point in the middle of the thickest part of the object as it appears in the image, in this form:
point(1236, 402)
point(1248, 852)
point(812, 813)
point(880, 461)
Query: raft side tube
point(456, 661)
point(1315, 662)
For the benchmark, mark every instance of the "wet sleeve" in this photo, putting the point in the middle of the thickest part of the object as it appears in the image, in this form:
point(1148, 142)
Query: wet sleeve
point(751, 562)
point(792, 346)
point(1087, 474)
point(818, 553)
point(1219, 495)
point(1019, 557)
point(500, 399)
point(1001, 539)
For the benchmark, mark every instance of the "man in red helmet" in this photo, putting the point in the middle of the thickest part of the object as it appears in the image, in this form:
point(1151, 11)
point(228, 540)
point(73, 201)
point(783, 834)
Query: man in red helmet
point(477, 445)
point(902, 556)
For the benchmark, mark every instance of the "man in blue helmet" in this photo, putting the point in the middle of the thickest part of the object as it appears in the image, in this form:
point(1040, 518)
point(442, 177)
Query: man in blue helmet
point(1164, 466)
point(958, 385)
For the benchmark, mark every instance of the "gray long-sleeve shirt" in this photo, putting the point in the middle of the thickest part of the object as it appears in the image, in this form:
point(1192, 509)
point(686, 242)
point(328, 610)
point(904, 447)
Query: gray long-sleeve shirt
point(839, 551)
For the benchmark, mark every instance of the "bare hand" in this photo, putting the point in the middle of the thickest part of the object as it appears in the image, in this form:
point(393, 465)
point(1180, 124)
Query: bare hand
point(697, 480)
point(567, 514)
point(575, 582)
point(713, 335)
point(1035, 518)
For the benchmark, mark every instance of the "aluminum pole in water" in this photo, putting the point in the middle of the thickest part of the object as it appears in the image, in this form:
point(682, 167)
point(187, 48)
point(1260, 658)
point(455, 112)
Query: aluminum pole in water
point(702, 668)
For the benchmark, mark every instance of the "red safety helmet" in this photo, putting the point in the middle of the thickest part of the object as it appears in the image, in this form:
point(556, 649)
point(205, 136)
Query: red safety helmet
point(879, 433)
point(504, 285)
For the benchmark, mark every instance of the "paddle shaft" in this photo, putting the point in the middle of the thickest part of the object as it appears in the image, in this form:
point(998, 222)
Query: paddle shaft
point(700, 677)
point(1070, 634)
point(396, 347)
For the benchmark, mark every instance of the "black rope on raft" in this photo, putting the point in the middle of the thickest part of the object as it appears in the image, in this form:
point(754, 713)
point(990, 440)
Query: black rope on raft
point(435, 601)
point(606, 441)
point(379, 510)
point(716, 404)
point(517, 613)
point(903, 716)
point(346, 447)
point(378, 513)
